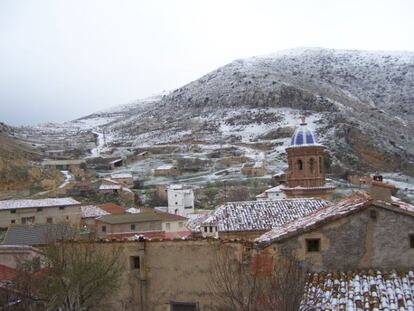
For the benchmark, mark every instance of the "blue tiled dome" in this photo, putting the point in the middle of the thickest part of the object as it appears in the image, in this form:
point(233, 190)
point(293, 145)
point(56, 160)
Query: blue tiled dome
point(303, 136)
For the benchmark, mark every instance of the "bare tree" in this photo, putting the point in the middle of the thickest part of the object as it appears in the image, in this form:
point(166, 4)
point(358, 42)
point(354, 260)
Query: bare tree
point(71, 276)
point(257, 283)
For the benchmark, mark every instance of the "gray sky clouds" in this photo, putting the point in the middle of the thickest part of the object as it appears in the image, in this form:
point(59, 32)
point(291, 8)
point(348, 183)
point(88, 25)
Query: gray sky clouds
point(60, 60)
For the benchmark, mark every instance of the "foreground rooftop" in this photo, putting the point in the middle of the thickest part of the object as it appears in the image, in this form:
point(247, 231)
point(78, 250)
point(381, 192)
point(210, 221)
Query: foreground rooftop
point(369, 290)
point(256, 215)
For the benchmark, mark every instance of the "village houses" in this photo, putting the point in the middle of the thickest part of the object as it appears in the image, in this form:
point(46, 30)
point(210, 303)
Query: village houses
point(359, 250)
point(40, 211)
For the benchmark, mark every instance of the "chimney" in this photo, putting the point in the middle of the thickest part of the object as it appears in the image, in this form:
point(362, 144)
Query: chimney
point(380, 190)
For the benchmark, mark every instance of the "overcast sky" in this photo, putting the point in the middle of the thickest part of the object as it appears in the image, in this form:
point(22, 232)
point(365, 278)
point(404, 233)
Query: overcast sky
point(60, 60)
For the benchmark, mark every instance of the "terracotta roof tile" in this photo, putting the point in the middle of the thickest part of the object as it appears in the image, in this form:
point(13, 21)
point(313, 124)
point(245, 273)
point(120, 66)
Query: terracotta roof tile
point(7, 273)
point(112, 208)
point(369, 290)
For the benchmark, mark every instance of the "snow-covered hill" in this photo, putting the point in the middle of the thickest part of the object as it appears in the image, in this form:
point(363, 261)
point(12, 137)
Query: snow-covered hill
point(358, 102)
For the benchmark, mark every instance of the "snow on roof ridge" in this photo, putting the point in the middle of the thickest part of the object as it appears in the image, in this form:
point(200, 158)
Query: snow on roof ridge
point(92, 211)
point(32, 203)
point(121, 175)
point(257, 215)
point(344, 207)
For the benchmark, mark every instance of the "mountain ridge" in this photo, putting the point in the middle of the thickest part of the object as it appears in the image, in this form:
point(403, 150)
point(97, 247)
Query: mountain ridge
point(363, 100)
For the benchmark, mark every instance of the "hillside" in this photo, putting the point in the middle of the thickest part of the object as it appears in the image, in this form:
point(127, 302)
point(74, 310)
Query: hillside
point(20, 171)
point(359, 103)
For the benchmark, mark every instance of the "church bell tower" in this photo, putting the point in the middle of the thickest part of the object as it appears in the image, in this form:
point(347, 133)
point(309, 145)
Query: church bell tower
point(306, 174)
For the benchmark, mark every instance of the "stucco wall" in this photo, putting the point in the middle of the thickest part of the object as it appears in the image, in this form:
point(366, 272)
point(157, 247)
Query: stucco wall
point(10, 256)
point(174, 226)
point(177, 271)
point(70, 214)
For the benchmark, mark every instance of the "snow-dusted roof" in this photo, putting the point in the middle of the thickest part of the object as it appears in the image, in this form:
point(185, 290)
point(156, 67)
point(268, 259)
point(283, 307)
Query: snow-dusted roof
point(92, 211)
point(165, 167)
point(263, 195)
point(133, 210)
point(16, 204)
point(115, 161)
point(258, 164)
point(175, 187)
point(256, 215)
point(63, 162)
point(114, 187)
point(121, 175)
point(361, 291)
point(110, 187)
point(274, 189)
point(347, 206)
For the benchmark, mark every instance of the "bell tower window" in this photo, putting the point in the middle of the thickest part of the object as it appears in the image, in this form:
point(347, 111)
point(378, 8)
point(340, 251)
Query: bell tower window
point(312, 165)
point(299, 164)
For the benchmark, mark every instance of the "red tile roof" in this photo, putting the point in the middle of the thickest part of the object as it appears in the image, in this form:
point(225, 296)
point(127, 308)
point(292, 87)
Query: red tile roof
point(112, 208)
point(7, 273)
point(169, 217)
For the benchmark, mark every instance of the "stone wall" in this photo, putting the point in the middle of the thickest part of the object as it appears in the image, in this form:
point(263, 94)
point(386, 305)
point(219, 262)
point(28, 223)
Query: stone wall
point(372, 238)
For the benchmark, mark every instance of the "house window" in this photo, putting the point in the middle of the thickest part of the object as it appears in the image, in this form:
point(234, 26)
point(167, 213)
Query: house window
point(61, 207)
point(180, 224)
point(313, 245)
point(133, 227)
point(168, 226)
point(411, 240)
point(183, 306)
point(13, 211)
point(135, 262)
point(27, 220)
point(211, 229)
point(13, 221)
point(373, 214)
point(205, 229)
point(103, 228)
point(39, 209)
point(49, 220)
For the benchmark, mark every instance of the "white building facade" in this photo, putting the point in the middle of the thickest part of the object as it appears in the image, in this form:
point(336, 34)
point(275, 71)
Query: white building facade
point(180, 200)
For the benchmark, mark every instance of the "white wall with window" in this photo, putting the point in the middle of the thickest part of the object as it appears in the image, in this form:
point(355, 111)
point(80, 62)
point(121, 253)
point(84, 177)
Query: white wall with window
point(180, 200)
